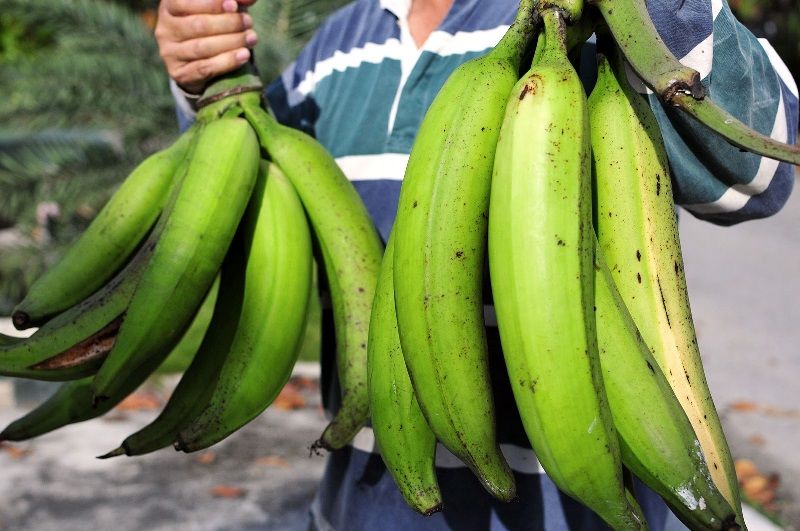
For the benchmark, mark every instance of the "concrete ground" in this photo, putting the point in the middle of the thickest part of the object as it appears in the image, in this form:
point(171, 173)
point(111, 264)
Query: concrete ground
point(262, 478)
point(744, 284)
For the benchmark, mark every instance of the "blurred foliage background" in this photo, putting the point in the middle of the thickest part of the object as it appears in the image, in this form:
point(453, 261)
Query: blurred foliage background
point(86, 98)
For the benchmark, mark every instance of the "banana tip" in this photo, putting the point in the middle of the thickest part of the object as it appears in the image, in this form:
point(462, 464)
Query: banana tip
point(21, 320)
point(317, 447)
point(98, 399)
point(113, 453)
point(180, 445)
point(433, 510)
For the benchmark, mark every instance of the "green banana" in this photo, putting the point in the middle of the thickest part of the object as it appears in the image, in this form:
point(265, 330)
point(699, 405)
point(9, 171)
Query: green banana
point(198, 381)
point(58, 350)
point(406, 442)
point(55, 343)
point(272, 315)
point(72, 402)
point(541, 264)
point(109, 240)
point(638, 234)
point(678, 85)
point(351, 250)
point(440, 239)
point(180, 358)
point(657, 441)
point(198, 230)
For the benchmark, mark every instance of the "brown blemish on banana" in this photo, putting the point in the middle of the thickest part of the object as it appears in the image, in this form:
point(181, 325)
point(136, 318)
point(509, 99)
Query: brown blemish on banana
point(94, 347)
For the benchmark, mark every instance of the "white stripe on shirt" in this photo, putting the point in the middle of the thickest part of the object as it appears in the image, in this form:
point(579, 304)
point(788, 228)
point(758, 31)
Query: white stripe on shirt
point(736, 196)
point(439, 42)
point(389, 166)
point(780, 67)
point(339, 62)
point(461, 42)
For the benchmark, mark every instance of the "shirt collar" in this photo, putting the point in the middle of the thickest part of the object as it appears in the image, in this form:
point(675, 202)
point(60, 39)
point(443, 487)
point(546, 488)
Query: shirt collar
point(398, 8)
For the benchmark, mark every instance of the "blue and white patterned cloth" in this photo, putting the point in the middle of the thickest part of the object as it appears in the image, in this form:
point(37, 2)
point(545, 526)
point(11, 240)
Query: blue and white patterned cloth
point(361, 87)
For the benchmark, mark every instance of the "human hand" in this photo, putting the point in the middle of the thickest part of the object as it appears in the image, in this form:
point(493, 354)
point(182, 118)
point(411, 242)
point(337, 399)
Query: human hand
point(201, 39)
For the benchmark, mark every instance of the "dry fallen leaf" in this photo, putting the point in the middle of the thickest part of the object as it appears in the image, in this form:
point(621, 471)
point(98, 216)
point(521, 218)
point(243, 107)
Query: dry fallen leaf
point(756, 487)
point(14, 452)
point(755, 484)
point(743, 406)
point(273, 460)
point(140, 402)
point(745, 469)
point(227, 491)
point(206, 458)
point(305, 383)
point(289, 399)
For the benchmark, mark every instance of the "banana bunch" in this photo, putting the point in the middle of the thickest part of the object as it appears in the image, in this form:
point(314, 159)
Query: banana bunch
point(205, 249)
point(570, 199)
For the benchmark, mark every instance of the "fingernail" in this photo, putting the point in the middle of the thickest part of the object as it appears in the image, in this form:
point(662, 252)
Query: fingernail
point(251, 38)
point(242, 55)
point(230, 6)
point(247, 21)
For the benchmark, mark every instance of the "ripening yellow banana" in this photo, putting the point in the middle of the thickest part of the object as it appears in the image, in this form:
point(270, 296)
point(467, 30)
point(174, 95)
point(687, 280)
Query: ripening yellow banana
point(638, 233)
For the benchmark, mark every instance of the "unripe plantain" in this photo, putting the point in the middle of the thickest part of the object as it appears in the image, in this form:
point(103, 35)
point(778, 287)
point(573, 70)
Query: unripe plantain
point(440, 246)
point(112, 237)
point(271, 320)
point(351, 251)
point(406, 442)
point(542, 271)
point(198, 230)
point(638, 234)
point(657, 441)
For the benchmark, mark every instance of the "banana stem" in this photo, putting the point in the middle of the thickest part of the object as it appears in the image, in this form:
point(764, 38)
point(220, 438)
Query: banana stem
point(737, 133)
point(555, 36)
point(519, 35)
point(223, 96)
point(647, 53)
point(677, 85)
point(572, 9)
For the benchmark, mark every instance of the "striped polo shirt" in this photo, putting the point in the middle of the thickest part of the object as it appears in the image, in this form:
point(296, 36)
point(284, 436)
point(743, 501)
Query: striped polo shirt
point(361, 87)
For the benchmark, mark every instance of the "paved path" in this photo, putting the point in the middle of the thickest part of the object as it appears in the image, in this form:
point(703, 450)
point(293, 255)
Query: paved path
point(262, 478)
point(744, 285)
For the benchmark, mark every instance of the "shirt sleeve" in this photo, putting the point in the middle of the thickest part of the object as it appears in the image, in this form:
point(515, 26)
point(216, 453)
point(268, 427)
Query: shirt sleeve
point(714, 180)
